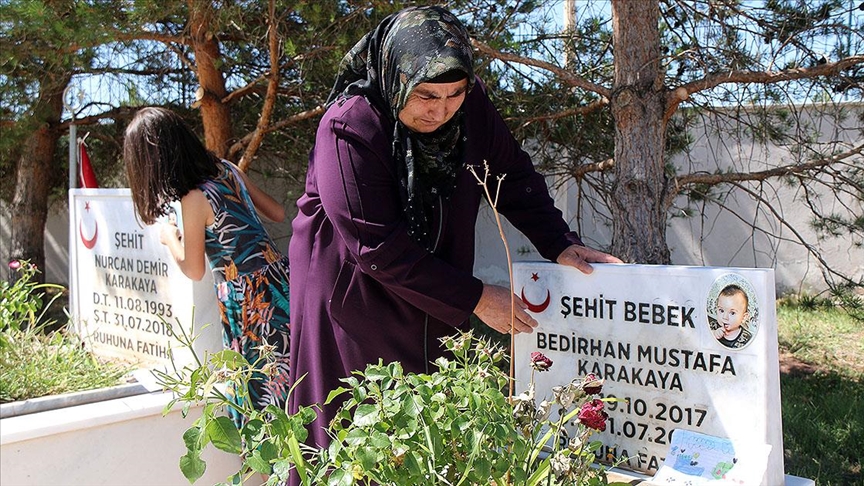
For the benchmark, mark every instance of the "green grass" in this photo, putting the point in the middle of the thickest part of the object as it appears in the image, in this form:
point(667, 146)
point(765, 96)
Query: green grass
point(38, 357)
point(822, 392)
point(33, 364)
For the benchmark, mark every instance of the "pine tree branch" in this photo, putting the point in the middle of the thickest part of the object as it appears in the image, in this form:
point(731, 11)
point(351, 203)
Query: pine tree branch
point(735, 177)
point(581, 110)
point(685, 91)
point(257, 136)
point(291, 120)
point(782, 171)
point(564, 75)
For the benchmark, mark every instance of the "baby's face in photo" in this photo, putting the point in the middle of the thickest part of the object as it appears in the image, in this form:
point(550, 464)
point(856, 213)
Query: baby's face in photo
point(731, 312)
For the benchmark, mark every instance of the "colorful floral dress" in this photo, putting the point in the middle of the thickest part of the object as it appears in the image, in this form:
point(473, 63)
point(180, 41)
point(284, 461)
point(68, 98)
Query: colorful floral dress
point(251, 279)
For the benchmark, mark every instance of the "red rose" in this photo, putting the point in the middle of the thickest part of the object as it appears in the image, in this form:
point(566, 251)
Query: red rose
point(593, 416)
point(540, 362)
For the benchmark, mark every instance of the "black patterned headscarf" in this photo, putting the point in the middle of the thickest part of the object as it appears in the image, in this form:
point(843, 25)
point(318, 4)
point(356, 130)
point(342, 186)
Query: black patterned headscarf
point(410, 47)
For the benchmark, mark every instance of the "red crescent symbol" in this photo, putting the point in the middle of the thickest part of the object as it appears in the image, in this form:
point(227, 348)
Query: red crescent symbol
point(89, 244)
point(537, 308)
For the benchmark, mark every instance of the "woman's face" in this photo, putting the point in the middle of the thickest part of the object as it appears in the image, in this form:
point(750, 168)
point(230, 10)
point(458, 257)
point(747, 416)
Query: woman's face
point(431, 105)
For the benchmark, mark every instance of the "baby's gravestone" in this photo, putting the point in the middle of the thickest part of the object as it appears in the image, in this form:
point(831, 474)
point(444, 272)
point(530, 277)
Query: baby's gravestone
point(690, 348)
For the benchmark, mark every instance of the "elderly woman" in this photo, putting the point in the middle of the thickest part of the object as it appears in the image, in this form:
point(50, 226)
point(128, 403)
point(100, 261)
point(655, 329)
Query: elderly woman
point(382, 249)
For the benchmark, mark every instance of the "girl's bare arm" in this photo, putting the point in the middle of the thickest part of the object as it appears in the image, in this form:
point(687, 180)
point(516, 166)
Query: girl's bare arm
point(264, 203)
point(188, 248)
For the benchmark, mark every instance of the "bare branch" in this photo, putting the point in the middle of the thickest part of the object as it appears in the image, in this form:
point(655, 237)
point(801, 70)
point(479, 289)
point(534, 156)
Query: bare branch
point(134, 72)
point(293, 119)
point(153, 36)
point(565, 76)
point(581, 110)
point(493, 203)
point(182, 56)
point(826, 267)
point(760, 77)
point(786, 170)
point(580, 171)
point(114, 113)
point(677, 183)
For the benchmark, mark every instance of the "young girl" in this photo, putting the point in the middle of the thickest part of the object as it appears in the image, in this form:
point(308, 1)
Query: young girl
point(165, 161)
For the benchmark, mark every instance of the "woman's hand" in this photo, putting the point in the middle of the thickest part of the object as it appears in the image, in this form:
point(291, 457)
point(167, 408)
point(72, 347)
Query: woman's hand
point(169, 233)
point(494, 310)
point(578, 257)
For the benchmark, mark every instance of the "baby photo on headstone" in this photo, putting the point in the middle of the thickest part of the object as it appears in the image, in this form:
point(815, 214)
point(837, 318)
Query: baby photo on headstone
point(732, 310)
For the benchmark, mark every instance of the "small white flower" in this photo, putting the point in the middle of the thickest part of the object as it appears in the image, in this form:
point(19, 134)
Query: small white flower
point(223, 375)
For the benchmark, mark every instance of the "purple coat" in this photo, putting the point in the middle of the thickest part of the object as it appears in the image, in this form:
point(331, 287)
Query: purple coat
point(361, 288)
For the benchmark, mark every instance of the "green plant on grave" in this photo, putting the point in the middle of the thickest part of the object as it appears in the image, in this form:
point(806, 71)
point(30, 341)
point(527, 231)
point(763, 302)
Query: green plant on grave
point(22, 305)
point(456, 425)
point(269, 441)
point(453, 426)
point(36, 363)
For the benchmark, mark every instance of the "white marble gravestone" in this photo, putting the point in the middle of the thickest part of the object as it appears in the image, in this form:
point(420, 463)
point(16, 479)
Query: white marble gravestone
point(648, 331)
point(128, 297)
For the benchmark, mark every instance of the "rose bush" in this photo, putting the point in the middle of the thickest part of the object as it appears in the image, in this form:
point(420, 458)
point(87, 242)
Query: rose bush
point(453, 426)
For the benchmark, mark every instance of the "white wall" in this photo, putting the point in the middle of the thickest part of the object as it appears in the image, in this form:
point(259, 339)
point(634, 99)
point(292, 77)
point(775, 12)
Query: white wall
point(718, 237)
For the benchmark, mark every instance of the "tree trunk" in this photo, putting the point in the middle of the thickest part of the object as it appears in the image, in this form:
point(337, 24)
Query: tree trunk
point(638, 102)
point(34, 176)
point(215, 115)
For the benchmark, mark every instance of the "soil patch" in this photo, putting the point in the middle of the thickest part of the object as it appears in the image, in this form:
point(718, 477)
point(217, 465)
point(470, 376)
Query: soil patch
point(792, 366)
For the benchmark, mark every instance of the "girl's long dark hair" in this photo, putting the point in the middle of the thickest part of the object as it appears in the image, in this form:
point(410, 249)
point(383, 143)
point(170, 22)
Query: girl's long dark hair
point(164, 160)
